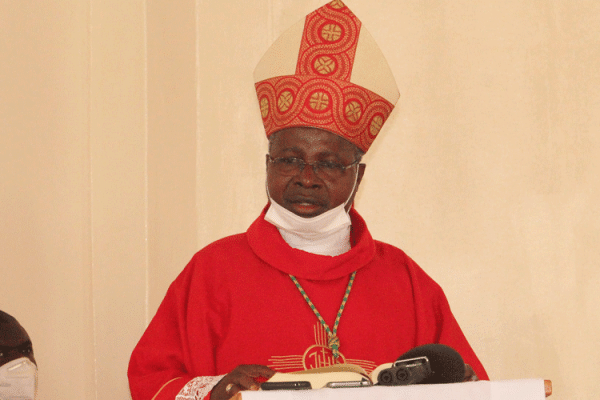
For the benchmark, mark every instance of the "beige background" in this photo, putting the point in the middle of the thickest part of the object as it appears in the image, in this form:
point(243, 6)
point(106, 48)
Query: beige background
point(130, 137)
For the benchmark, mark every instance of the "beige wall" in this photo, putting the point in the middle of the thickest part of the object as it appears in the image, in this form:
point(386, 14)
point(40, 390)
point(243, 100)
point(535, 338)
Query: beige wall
point(130, 137)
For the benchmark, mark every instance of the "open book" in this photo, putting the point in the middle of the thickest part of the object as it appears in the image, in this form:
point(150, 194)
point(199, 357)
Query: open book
point(334, 376)
point(430, 363)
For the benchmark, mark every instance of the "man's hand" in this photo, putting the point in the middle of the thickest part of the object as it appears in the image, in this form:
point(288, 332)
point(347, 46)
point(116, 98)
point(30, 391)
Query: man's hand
point(243, 377)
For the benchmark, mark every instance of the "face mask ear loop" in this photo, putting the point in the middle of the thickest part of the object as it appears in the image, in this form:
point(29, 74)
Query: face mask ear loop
point(268, 193)
point(352, 192)
point(267, 185)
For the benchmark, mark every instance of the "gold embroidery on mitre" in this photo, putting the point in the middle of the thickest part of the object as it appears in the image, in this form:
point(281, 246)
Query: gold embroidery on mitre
point(376, 124)
point(264, 107)
point(324, 65)
point(285, 101)
point(353, 111)
point(331, 32)
point(337, 4)
point(324, 103)
point(319, 101)
point(319, 92)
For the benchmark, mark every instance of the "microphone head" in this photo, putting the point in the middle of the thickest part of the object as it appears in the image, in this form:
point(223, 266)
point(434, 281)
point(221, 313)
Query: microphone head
point(447, 366)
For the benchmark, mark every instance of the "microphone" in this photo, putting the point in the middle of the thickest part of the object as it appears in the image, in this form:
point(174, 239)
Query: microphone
point(427, 364)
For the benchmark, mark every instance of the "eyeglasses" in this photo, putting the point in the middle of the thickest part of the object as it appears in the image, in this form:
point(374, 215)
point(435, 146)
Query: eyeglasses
point(291, 166)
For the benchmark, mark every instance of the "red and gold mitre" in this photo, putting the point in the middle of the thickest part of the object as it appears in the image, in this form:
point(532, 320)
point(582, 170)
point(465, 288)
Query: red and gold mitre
point(326, 72)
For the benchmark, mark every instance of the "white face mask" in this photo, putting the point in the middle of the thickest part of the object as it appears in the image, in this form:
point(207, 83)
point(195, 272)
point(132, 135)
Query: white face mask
point(18, 380)
point(325, 234)
point(313, 227)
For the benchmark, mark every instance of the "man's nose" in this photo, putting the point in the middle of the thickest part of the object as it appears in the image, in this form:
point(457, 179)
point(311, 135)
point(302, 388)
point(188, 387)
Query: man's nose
point(308, 176)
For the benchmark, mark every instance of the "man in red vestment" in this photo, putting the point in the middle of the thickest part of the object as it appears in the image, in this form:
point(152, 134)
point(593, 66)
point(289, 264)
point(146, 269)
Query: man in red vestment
point(306, 285)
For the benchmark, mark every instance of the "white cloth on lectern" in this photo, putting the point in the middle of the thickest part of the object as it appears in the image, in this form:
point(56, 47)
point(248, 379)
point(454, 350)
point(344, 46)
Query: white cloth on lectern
point(521, 389)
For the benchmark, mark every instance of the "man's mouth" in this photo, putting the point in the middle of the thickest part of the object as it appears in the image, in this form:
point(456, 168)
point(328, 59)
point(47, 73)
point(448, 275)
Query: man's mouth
point(305, 207)
point(306, 203)
point(304, 200)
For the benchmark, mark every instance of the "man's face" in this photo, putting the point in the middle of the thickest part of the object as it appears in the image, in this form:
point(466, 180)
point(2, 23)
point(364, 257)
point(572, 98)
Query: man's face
point(307, 194)
point(14, 343)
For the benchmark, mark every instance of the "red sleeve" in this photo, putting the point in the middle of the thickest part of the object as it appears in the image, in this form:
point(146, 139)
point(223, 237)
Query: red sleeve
point(157, 368)
point(436, 323)
point(450, 334)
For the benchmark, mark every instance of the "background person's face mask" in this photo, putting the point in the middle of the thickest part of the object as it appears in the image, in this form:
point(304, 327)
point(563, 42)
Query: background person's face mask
point(18, 380)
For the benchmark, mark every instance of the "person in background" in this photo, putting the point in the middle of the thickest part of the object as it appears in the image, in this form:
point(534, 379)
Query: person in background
point(306, 286)
point(18, 368)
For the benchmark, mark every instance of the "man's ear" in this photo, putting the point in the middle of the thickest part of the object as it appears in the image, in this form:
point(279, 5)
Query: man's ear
point(361, 172)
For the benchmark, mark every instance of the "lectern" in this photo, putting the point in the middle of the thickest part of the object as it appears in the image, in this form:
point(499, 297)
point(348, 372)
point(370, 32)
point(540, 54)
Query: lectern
point(521, 389)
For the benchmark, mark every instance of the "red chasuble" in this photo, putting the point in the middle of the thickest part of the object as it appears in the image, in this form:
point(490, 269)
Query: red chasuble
point(234, 303)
